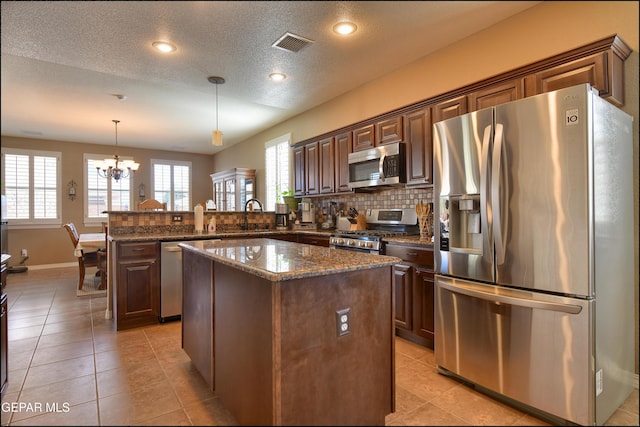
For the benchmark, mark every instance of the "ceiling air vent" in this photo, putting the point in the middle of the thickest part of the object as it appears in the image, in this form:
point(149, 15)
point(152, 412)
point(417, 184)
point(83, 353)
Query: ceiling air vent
point(291, 42)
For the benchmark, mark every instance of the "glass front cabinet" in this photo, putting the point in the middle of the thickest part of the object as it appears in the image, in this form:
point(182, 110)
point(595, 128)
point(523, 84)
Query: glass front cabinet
point(232, 188)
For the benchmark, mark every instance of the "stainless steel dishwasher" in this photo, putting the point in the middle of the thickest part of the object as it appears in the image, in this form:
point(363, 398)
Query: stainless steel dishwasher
point(170, 281)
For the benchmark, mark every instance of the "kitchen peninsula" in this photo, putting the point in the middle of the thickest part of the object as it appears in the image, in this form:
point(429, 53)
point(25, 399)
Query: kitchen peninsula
point(288, 333)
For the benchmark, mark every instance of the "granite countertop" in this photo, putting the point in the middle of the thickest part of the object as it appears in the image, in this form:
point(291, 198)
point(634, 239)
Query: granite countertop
point(409, 240)
point(277, 260)
point(182, 235)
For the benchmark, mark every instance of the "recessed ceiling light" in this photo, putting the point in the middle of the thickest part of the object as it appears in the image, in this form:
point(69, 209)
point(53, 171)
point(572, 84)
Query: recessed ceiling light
point(164, 47)
point(344, 28)
point(276, 77)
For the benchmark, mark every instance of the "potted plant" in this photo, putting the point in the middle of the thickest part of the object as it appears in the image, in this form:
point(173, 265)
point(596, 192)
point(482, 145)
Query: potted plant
point(288, 198)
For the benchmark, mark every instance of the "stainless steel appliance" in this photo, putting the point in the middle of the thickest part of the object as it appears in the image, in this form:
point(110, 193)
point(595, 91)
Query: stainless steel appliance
point(381, 223)
point(170, 281)
point(378, 167)
point(307, 211)
point(282, 216)
point(534, 269)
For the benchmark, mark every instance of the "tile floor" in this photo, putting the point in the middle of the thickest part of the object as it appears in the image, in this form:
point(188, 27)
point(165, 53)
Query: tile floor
point(64, 356)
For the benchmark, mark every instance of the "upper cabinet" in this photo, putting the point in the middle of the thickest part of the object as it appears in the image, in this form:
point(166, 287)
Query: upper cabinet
point(389, 131)
point(363, 138)
point(232, 188)
point(598, 69)
point(600, 64)
point(419, 147)
point(450, 108)
point(496, 94)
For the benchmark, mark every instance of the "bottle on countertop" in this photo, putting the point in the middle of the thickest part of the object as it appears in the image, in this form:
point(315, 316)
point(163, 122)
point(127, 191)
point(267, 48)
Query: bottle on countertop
point(212, 224)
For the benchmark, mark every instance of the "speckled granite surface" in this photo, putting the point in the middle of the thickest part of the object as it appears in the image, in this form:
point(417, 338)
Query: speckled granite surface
point(174, 234)
point(409, 241)
point(277, 260)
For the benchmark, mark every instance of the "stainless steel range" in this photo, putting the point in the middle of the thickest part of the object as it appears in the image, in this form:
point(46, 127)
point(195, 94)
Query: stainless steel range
point(381, 223)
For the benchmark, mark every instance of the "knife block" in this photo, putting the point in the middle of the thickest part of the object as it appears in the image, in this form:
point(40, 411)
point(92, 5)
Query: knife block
point(361, 223)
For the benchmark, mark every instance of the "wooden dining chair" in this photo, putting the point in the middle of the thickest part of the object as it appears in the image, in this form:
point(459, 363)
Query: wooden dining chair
point(87, 259)
point(102, 257)
point(152, 205)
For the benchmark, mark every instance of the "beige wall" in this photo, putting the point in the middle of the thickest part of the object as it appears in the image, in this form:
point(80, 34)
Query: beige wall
point(40, 242)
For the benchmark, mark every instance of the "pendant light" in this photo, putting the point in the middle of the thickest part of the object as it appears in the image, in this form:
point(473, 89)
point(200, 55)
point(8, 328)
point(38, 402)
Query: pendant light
point(114, 167)
point(217, 134)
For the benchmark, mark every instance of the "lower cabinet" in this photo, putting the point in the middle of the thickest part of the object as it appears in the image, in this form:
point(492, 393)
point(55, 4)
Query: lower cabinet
point(137, 290)
point(414, 288)
point(314, 240)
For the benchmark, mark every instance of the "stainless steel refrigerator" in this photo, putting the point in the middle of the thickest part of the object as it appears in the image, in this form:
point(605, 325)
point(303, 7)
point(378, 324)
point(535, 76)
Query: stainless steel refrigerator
point(534, 257)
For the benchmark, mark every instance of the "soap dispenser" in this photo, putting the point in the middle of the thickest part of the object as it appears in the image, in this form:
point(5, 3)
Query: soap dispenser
point(212, 224)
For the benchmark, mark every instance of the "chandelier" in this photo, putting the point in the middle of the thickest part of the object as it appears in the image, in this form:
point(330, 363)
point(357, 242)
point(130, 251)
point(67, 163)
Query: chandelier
point(114, 167)
point(216, 134)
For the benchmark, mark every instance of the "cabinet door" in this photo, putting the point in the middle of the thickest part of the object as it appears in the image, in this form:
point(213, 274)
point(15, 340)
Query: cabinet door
point(593, 69)
point(423, 302)
point(419, 147)
point(389, 131)
point(314, 240)
point(402, 284)
point(327, 163)
point(363, 138)
point(342, 149)
point(298, 172)
point(496, 94)
point(218, 195)
point(230, 194)
point(312, 169)
point(138, 294)
point(451, 108)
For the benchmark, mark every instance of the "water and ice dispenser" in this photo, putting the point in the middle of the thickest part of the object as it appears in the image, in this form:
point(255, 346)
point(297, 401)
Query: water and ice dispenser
point(460, 229)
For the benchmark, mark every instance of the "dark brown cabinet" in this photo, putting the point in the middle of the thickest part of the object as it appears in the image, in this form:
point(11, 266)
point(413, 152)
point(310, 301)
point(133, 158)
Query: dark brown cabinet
point(327, 165)
point(364, 138)
point(414, 287)
point(389, 131)
point(599, 70)
point(299, 172)
point(419, 147)
point(496, 94)
point(137, 290)
point(314, 240)
point(450, 108)
point(343, 146)
point(4, 343)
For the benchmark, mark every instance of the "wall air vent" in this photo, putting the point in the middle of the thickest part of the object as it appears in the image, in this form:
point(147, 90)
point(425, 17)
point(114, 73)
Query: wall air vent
point(292, 42)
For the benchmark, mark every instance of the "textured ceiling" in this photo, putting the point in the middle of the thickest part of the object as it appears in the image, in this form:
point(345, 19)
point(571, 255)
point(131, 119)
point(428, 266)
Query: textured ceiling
point(63, 62)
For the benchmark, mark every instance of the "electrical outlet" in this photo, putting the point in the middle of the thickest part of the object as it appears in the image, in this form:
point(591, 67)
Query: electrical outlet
point(343, 322)
point(176, 218)
point(24, 252)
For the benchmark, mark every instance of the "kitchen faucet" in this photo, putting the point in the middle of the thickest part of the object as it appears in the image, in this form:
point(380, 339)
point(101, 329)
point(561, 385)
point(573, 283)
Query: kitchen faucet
point(246, 215)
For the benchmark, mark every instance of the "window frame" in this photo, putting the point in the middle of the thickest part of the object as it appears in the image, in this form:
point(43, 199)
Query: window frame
point(172, 163)
point(32, 222)
point(95, 221)
point(286, 138)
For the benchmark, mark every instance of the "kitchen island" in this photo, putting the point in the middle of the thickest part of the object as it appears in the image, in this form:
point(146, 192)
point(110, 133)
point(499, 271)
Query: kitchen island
point(291, 334)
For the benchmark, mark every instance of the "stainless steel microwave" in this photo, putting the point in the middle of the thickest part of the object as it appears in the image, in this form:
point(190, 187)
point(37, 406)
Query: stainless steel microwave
point(380, 166)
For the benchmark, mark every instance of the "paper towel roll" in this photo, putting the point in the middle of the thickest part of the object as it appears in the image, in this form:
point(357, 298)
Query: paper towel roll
point(198, 218)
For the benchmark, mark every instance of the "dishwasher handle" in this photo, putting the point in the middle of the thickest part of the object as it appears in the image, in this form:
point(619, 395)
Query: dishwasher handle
point(172, 249)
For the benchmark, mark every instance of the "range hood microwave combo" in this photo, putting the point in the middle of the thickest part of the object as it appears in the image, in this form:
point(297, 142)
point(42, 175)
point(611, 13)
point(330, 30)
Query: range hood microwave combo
point(378, 167)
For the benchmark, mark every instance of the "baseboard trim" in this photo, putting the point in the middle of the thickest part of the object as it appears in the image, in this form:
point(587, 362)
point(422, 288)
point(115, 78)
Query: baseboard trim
point(47, 266)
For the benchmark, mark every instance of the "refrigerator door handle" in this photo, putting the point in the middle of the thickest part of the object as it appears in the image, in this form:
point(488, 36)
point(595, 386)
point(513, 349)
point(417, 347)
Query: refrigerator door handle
point(496, 184)
point(505, 299)
point(484, 182)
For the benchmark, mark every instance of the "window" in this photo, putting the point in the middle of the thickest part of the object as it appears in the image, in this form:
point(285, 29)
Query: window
point(104, 194)
point(277, 160)
point(31, 182)
point(172, 184)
